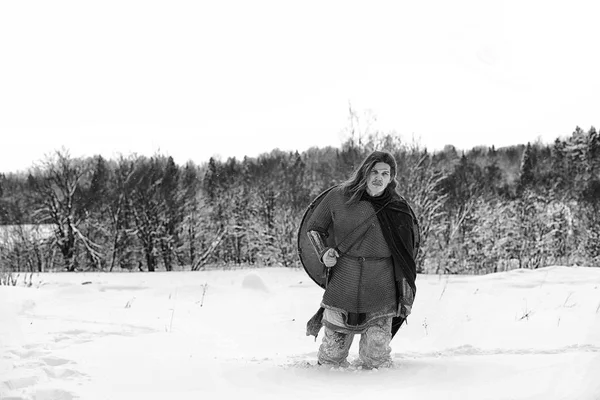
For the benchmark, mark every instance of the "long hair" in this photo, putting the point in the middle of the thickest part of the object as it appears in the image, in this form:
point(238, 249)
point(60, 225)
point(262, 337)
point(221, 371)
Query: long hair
point(355, 186)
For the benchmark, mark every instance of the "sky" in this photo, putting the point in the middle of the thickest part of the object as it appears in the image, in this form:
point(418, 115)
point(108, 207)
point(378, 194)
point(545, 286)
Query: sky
point(522, 334)
point(196, 79)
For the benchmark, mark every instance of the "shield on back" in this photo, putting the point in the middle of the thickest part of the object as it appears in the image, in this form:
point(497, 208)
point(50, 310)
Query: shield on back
point(308, 257)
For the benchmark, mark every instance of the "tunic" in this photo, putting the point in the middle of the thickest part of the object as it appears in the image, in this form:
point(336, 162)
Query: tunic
point(362, 281)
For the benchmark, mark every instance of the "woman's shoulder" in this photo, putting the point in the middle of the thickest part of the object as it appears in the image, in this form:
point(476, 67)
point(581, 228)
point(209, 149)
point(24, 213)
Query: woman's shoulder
point(336, 196)
point(336, 193)
point(399, 203)
point(335, 190)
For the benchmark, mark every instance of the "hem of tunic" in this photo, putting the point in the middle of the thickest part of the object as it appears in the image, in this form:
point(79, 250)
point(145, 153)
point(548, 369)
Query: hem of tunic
point(334, 318)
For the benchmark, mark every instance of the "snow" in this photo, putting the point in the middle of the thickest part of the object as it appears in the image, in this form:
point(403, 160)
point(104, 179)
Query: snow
point(523, 334)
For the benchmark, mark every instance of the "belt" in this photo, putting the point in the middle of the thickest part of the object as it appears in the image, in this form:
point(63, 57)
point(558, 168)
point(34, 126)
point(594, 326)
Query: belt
point(365, 258)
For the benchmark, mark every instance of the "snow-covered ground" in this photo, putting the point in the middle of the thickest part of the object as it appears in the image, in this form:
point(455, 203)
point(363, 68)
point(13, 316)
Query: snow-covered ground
point(216, 334)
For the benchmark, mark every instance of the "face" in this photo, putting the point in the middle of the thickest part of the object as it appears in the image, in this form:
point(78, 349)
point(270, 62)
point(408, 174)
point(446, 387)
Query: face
point(378, 179)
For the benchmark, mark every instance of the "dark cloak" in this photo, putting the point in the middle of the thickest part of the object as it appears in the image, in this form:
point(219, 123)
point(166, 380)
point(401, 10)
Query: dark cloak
point(400, 229)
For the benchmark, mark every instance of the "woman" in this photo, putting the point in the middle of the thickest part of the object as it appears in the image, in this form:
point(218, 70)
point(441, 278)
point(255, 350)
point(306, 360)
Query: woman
point(372, 267)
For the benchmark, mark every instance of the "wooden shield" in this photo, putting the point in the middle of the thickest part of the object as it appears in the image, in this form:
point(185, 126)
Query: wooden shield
point(308, 257)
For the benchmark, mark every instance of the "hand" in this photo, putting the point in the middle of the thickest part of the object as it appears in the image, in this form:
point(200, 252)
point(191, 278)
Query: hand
point(330, 257)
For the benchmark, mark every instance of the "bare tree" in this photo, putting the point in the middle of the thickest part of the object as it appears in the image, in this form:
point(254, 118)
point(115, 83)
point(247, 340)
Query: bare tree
point(57, 188)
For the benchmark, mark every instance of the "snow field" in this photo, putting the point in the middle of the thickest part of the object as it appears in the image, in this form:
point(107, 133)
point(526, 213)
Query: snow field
point(212, 334)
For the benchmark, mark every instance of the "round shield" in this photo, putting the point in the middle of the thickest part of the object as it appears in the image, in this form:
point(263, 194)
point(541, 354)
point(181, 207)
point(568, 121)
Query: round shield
point(308, 256)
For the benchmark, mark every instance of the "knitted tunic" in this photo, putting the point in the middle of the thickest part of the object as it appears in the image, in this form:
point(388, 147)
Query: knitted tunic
point(362, 281)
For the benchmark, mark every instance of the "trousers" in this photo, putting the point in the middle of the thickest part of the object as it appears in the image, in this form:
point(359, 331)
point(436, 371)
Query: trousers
point(374, 346)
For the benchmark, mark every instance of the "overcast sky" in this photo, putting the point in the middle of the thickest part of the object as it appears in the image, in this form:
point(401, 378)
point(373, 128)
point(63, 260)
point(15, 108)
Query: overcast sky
point(194, 79)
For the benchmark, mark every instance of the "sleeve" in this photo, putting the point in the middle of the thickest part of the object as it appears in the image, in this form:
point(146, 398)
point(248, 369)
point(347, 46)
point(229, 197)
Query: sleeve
point(321, 219)
point(318, 225)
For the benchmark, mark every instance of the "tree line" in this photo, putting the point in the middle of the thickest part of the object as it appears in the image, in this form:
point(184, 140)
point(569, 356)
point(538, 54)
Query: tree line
point(481, 210)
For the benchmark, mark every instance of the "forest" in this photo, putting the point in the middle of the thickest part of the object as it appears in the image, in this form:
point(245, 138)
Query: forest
point(481, 210)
